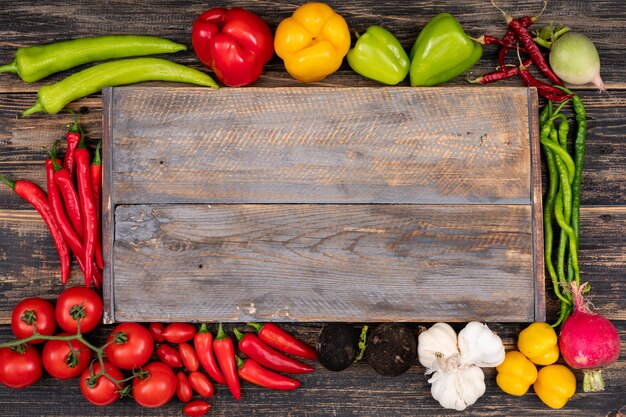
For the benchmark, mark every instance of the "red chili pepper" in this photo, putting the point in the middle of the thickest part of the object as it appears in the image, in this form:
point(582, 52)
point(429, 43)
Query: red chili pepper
point(265, 355)
point(500, 74)
point(225, 354)
point(203, 342)
point(254, 373)
point(545, 90)
point(87, 204)
point(189, 357)
point(201, 384)
point(508, 40)
point(95, 170)
point(70, 198)
point(156, 329)
point(179, 332)
point(196, 408)
point(39, 200)
point(183, 388)
point(234, 43)
point(169, 356)
point(283, 341)
point(72, 137)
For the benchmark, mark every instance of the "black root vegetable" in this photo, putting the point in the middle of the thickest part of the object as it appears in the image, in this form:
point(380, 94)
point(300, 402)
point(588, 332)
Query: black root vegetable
point(337, 346)
point(391, 349)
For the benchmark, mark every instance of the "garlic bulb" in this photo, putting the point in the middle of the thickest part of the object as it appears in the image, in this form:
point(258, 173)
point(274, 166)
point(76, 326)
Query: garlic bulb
point(459, 387)
point(438, 342)
point(478, 345)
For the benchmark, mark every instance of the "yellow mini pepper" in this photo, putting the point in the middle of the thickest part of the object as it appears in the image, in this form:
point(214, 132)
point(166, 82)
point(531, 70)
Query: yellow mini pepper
point(312, 42)
point(516, 374)
point(539, 343)
point(555, 385)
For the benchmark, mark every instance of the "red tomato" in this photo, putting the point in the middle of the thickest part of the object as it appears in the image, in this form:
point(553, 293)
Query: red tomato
point(183, 388)
point(33, 311)
point(129, 346)
point(19, 370)
point(63, 362)
point(78, 301)
point(169, 356)
point(156, 329)
point(201, 384)
point(189, 357)
point(102, 391)
point(196, 408)
point(156, 390)
point(179, 332)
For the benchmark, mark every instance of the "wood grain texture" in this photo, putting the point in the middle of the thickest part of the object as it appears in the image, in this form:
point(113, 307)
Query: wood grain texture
point(320, 145)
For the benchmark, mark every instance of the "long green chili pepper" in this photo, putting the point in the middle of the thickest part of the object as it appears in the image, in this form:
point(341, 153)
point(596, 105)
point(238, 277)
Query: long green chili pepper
point(558, 214)
point(53, 98)
point(562, 154)
point(36, 62)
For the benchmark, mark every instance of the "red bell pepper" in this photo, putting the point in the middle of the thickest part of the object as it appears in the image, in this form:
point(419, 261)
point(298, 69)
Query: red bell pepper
point(235, 43)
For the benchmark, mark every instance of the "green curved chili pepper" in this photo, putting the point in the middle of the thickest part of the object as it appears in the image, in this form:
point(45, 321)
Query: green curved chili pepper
point(36, 62)
point(53, 98)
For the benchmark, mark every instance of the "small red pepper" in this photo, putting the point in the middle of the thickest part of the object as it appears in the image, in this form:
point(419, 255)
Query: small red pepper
point(234, 43)
point(256, 349)
point(183, 388)
point(179, 332)
point(72, 137)
point(201, 384)
point(169, 356)
point(203, 342)
point(196, 408)
point(39, 200)
point(225, 354)
point(189, 357)
point(70, 197)
point(87, 205)
point(254, 373)
point(283, 341)
point(95, 170)
point(156, 329)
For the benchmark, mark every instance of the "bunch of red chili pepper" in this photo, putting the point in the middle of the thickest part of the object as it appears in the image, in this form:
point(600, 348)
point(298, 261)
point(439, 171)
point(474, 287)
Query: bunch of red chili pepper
point(71, 208)
point(265, 357)
point(519, 38)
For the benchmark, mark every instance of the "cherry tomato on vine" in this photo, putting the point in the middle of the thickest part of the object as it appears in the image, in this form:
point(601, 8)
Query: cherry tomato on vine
point(196, 408)
point(101, 390)
point(31, 311)
point(156, 329)
point(20, 367)
point(158, 388)
point(129, 346)
point(183, 388)
point(62, 361)
point(201, 384)
point(78, 303)
point(169, 356)
point(179, 332)
point(189, 357)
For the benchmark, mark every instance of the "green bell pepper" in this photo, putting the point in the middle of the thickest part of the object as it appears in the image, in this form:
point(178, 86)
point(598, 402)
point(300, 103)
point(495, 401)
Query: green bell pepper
point(442, 51)
point(379, 56)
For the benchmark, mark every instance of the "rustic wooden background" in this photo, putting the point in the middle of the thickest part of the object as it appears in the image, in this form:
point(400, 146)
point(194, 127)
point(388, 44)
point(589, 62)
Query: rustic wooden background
point(28, 265)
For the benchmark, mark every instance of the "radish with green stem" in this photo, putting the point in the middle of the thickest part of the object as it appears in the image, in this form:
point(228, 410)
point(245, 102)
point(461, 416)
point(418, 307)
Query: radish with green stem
point(588, 341)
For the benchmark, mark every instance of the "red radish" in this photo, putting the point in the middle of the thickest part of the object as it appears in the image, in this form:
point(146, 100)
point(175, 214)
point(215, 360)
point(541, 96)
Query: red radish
point(588, 341)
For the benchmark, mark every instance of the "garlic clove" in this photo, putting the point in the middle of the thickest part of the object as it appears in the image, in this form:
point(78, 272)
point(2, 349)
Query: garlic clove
point(436, 345)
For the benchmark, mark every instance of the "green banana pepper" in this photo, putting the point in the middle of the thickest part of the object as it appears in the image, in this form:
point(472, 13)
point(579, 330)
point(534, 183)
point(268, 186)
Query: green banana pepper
point(442, 51)
point(379, 56)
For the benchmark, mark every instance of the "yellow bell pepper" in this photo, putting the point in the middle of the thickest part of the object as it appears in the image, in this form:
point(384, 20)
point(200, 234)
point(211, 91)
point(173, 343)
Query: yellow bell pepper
point(555, 385)
point(516, 374)
point(539, 343)
point(312, 42)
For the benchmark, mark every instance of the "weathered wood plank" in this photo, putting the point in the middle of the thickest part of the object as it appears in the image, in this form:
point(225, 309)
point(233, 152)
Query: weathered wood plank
point(323, 263)
point(602, 20)
point(320, 145)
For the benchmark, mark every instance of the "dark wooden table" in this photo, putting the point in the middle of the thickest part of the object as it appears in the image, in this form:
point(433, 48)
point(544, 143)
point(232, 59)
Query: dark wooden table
point(29, 265)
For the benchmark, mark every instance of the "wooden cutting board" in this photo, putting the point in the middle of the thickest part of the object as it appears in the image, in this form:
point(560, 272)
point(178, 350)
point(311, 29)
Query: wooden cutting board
point(322, 204)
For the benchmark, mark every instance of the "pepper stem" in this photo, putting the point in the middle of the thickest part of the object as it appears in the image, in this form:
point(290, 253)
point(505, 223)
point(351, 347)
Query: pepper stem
point(74, 127)
point(238, 334)
point(240, 362)
point(96, 158)
point(36, 108)
point(203, 328)
point(256, 326)
point(12, 67)
point(53, 157)
point(220, 333)
point(8, 182)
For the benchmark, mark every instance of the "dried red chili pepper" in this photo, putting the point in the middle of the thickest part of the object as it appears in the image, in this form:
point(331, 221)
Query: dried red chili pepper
point(256, 349)
point(72, 137)
point(500, 74)
point(225, 354)
point(251, 371)
point(545, 90)
point(283, 341)
point(95, 169)
point(508, 41)
point(203, 342)
point(39, 200)
point(70, 198)
point(87, 204)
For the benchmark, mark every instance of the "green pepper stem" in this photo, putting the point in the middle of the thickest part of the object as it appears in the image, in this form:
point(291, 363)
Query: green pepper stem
point(256, 326)
point(238, 334)
point(220, 333)
point(240, 362)
point(203, 328)
point(96, 158)
point(12, 67)
point(8, 182)
point(36, 108)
